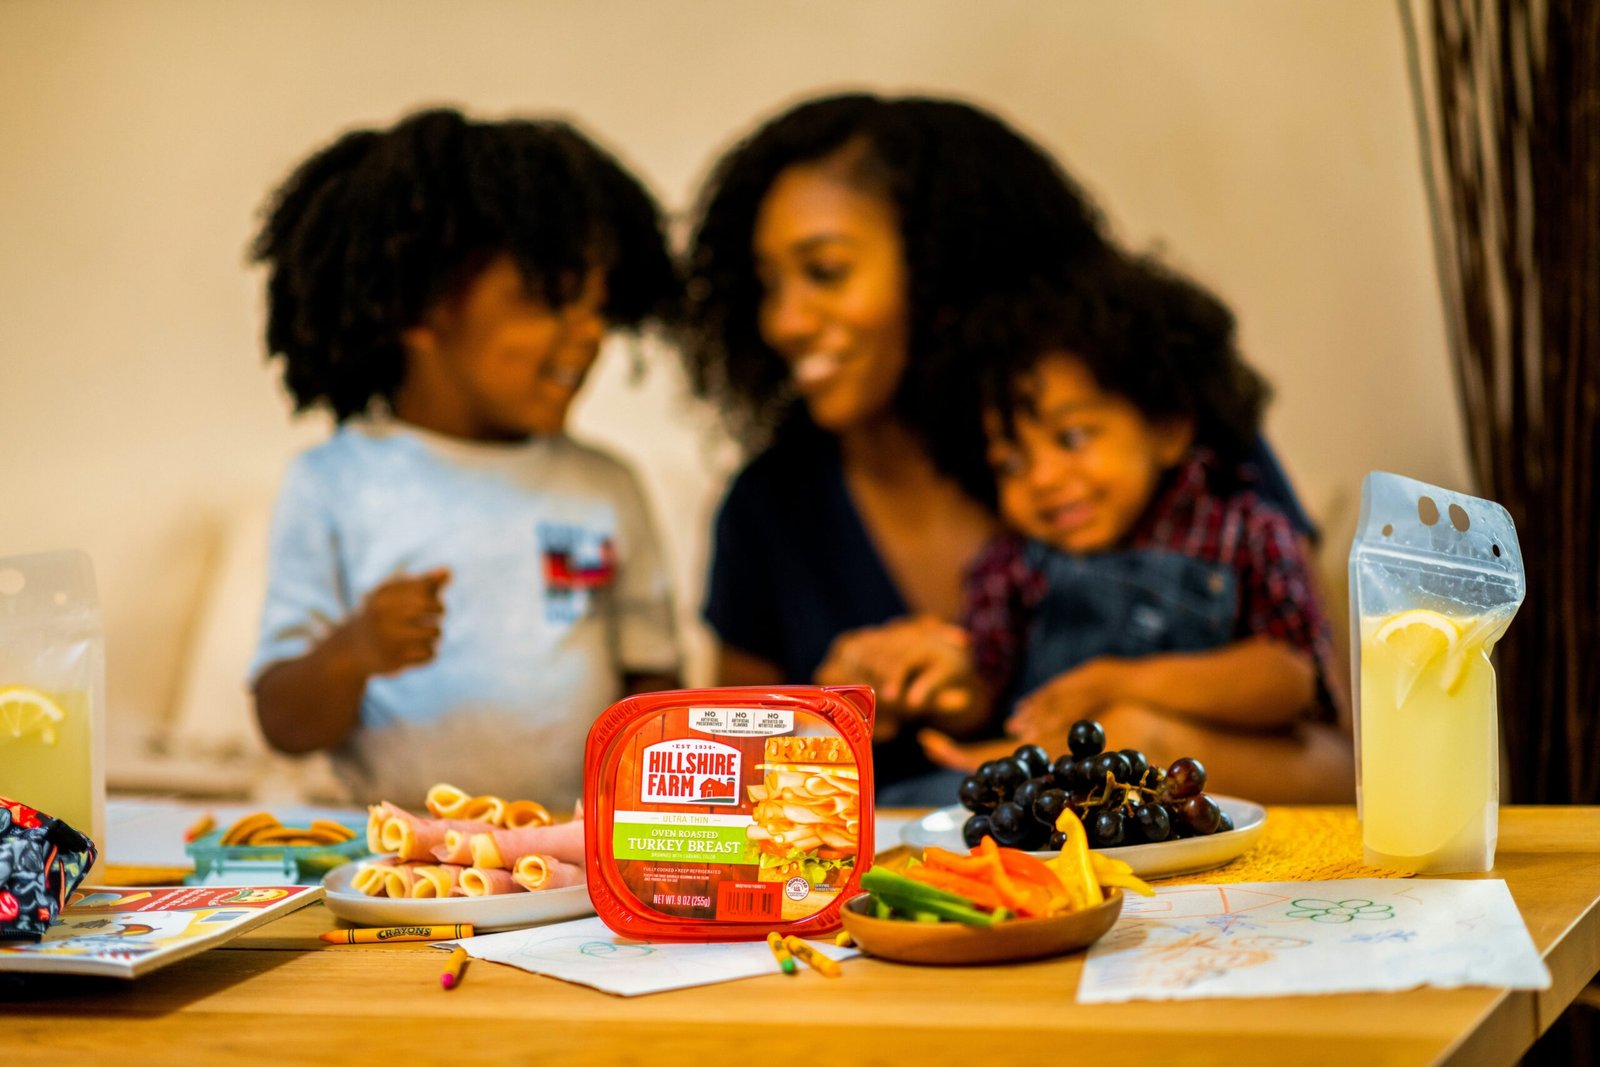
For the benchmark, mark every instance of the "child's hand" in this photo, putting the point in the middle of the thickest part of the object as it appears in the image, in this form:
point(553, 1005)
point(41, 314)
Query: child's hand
point(398, 625)
point(954, 755)
point(917, 664)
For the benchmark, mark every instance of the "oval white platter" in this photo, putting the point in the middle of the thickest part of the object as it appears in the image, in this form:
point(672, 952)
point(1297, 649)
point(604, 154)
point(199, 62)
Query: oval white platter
point(504, 911)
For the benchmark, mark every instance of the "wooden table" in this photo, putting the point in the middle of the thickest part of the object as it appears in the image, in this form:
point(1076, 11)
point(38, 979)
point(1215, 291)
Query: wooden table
point(280, 995)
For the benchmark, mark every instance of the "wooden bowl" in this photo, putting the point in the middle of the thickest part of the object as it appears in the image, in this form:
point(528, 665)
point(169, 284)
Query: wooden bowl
point(953, 943)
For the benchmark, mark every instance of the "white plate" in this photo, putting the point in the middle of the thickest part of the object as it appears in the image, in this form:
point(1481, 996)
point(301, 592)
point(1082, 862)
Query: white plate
point(1183, 856)
point(503, 911)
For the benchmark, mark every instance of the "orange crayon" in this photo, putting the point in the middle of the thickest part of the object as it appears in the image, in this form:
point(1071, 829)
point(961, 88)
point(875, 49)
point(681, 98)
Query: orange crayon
point(203, 825)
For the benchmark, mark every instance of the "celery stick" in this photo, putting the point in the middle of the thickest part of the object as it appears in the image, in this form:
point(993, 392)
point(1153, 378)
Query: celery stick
point(878, 879)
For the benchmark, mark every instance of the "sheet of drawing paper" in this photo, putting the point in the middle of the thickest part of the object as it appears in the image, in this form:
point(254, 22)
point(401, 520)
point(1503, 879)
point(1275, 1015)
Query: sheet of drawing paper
point(585, 951)
point(1270, 939)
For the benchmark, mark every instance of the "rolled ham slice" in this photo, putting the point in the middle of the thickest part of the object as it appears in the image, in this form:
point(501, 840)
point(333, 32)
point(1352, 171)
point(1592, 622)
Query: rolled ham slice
point(445, 801)
point(524, 813)
point(398, 880)
point(487, 881)
point(503, 848)
point(413, 837)
point(368, 878)
point(535, 872)
point(437, 880)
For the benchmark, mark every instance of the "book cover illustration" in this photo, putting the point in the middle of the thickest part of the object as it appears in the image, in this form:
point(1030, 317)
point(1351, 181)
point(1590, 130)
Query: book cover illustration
point(124, 932)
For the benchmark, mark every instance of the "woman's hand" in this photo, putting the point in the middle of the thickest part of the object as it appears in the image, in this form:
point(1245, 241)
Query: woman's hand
point(947, 752)
point(398, 625)
point(918, 665)
point(1081, 693)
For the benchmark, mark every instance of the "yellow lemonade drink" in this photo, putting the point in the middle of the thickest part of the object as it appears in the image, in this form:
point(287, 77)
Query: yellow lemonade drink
point(1429, 743)
point(47, 753)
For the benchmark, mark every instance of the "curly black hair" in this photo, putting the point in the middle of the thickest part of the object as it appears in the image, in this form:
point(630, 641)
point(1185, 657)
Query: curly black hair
point(370, 233)
point(981, 210)
point(1145, 333)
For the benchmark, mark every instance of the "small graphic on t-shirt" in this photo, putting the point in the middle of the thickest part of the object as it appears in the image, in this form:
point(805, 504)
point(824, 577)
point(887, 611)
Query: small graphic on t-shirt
point(577, 561)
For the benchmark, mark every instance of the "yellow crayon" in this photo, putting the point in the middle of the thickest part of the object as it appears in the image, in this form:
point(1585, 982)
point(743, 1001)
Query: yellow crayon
point(811, 957)
point(785, 958)
point(377, 935)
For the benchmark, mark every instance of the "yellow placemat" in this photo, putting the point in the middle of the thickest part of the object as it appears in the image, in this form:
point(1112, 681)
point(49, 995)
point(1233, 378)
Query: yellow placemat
point(1297, 845)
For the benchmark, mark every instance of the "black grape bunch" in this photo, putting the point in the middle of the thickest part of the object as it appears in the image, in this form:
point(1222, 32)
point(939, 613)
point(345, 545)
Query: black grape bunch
point(1121, 799)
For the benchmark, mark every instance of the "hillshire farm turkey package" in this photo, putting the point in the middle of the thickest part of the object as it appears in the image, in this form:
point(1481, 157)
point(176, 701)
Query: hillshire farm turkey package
point(722, 814)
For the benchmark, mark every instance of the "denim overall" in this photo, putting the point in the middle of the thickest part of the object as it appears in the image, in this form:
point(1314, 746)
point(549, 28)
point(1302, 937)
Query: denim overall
point(1131, 603)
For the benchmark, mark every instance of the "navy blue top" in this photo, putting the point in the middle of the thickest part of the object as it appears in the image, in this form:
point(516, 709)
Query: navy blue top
point(792, 567)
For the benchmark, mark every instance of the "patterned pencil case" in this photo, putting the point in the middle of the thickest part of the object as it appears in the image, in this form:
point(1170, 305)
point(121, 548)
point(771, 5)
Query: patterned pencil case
point(42, 860)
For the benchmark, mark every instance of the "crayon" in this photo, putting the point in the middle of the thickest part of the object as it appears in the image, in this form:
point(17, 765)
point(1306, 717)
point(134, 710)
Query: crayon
point(811, 957)
point(452, 969)
point(377, 935)
point(202, 825)
point(780, 950)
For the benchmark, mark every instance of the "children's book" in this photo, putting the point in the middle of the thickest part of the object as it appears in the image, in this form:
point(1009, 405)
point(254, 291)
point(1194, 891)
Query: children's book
point(125, 931)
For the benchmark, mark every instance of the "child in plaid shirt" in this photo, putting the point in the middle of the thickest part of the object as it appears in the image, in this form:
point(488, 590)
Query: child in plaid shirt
point(1142, 582)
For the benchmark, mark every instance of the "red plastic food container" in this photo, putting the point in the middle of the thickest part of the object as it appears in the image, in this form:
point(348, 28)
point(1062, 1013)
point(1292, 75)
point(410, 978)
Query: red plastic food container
point(722, 814)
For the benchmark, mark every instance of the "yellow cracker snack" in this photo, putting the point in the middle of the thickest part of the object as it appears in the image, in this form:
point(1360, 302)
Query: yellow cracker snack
point(239, 833)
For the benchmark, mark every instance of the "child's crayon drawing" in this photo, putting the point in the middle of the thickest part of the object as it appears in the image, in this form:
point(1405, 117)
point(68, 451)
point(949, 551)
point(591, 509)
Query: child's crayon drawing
point(1273, 938)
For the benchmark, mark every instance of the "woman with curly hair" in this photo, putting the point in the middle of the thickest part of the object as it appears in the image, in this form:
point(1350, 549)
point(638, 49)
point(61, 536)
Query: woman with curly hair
point(1142, 580)
point(837, 252)
point(455, 586)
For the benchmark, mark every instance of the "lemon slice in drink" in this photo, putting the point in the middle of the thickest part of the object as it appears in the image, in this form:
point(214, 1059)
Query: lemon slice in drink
point(27, 712)
point(1422, 634)
point(1426, 637)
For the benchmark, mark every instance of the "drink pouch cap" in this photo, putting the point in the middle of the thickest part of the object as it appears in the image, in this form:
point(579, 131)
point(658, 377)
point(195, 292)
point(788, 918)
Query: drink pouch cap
point(1423, 546)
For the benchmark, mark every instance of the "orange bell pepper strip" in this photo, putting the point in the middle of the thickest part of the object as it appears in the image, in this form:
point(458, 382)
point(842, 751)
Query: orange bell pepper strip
point(1022, 865)
point(1019, 894)
point(981, 893)
point(1037, 872)
point(943, 859)
point(995, 877)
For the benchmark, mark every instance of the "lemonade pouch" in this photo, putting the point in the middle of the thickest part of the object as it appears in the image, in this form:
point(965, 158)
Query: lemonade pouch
point(1435, 578)
point(52, 681)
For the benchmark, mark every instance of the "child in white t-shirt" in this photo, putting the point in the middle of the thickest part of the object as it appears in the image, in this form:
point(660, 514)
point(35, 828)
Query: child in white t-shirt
point(456, 588)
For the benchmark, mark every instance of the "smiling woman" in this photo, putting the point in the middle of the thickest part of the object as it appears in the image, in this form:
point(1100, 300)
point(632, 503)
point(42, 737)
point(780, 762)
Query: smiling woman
point(833, 250)
point(832, 274)
point(837, 254)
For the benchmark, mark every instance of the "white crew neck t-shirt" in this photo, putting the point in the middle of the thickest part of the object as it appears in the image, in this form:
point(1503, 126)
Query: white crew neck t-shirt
point(558, 586)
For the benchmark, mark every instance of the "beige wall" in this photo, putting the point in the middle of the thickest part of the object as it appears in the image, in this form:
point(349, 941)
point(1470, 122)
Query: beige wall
point(1267, 145)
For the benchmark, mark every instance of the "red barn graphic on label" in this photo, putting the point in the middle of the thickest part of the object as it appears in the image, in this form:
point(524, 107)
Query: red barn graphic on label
point(690, 771)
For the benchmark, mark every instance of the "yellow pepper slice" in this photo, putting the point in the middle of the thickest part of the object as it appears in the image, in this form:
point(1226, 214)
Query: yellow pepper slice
point(1074, 866)
point(1115, 872)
